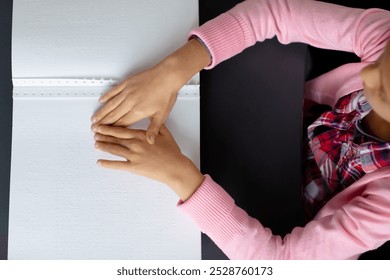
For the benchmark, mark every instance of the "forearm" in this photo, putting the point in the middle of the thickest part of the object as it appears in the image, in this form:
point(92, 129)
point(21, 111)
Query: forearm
point(316, 23)
point(330, 236)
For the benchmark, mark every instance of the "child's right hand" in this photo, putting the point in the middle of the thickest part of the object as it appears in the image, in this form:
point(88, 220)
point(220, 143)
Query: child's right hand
point(153, 92)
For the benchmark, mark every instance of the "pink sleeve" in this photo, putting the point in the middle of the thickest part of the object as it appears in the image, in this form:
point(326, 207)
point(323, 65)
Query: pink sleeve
point(360, 225)
point(319, 24)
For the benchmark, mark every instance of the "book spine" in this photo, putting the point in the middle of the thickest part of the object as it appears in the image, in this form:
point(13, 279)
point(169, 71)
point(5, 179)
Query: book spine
point(77, 88)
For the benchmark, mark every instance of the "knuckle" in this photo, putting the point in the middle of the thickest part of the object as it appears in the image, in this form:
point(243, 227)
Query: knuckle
point(129, 156)
point(115, 140)
point(135, 158)
point(109, 104)
point(126, 143)
point(127, 90)
point(119, 122)
point(112, 115)
point(138, 147)
point(140, 135)
point(137, 112)
point(102, 138)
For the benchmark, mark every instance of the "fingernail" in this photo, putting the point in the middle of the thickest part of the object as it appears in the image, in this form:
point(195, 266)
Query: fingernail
point(99, 162)
point(94, 120)
point(96, 145)
point(152, 138)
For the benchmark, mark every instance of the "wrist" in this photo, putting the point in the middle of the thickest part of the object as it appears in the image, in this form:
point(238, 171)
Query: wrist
point(185, 62)
point(186, 180)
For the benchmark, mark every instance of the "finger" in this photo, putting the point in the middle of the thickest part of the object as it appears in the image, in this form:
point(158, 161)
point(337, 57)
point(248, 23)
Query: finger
point(131, 117)
point(113, 92)
point(107, 108)
point(113, 164)
point(154, 127)
point(113, 149)
point(164, 131)
point(109, 139)
point(116, 114)
point(167, 133)
point(120, 132)
point(94, 127)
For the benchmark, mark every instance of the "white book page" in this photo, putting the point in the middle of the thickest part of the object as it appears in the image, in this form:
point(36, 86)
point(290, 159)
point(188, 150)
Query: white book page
point(62, 205)
point(96, 38)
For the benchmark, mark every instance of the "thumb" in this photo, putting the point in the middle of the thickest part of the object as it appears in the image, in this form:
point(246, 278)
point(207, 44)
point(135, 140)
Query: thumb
point(165, 131)
point(154, 127)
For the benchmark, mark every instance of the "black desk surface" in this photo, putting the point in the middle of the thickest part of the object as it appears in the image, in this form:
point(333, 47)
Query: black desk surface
point(251, 145)
point(5, 119)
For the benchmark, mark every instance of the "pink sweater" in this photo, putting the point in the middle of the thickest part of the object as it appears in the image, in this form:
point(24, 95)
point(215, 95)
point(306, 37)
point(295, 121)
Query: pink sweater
point(357, 219)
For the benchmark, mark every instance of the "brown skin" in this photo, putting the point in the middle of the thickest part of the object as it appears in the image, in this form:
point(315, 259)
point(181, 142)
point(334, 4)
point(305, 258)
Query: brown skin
point(376, 79)
point(162, 161)
point(141, 97)
point(152, 93)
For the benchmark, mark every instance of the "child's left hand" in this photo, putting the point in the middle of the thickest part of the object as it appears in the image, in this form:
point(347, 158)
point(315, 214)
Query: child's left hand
point(162, 161)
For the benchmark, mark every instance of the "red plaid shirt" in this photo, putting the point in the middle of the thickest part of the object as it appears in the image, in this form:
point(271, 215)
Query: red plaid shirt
point(339, 152)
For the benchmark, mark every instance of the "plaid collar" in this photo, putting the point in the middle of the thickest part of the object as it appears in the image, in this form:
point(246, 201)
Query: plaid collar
point(348, 111)
point(340, 152)
point(341, 130)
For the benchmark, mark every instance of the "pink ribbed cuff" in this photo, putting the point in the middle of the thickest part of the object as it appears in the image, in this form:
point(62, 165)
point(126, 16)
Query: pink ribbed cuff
point(223, 36)
point(215, 212)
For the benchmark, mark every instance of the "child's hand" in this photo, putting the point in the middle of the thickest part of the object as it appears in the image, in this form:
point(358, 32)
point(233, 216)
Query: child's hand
point(162, 161)
point(153, 92)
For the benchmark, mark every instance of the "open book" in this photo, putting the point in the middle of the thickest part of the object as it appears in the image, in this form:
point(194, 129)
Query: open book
point(66, 54)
